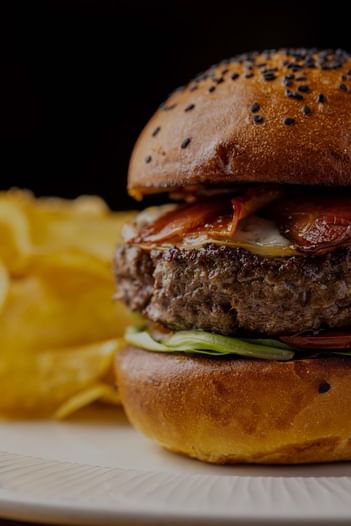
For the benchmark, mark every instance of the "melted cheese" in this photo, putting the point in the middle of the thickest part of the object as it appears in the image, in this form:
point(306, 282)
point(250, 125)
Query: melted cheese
point(255, 234)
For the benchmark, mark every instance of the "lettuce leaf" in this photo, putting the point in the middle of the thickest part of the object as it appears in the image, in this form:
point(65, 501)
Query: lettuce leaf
point(206, 343)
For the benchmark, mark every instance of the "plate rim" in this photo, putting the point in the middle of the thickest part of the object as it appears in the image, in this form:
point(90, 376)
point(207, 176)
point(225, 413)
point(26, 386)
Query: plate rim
point(16, 504)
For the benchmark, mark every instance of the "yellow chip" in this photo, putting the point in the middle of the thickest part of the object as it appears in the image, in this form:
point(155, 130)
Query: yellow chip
point(40, 383)
point(4, 285)
point(55, 231)
point(56, 302)
point(99, 392)
point(84, 224)
point(49, 225)
point(65, 300)
point(15, 243)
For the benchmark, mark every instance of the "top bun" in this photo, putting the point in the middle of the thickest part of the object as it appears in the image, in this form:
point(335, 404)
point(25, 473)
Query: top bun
point(272, 117)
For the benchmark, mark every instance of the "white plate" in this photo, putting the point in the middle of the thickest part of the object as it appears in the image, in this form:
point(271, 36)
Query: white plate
point(95, 469)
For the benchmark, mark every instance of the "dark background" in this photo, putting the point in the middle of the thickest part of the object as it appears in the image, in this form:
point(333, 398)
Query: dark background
point(80, 79)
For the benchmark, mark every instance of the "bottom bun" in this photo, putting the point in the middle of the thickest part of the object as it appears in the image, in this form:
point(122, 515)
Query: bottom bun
point(234, 410)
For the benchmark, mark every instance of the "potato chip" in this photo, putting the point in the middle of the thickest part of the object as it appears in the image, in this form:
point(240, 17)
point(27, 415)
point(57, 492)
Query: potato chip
point(52, 224)
point(4, 285)
point(59, 325)
point(39, 383)
point(14, 234)
point(89, 231)
point(99, 392)
point(64, 300)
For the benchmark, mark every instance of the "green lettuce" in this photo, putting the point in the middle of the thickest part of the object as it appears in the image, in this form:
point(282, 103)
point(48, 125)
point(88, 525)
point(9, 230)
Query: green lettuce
point(207, 343)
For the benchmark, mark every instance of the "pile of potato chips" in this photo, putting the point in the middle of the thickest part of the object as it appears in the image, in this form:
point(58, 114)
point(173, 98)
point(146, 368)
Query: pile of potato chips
point(59, 325)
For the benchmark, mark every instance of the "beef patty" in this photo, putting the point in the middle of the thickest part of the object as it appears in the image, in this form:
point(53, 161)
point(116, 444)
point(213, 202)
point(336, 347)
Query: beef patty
point(230, 290)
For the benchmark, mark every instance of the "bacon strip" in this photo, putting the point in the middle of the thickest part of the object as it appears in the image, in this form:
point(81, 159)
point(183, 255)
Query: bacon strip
point(254, 199)
point(317, 224)
point(326, 340)
point(182, 220)
point(218, 218)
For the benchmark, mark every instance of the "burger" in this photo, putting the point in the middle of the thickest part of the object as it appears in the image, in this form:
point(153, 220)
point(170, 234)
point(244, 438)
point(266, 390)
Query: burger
point(244, 277)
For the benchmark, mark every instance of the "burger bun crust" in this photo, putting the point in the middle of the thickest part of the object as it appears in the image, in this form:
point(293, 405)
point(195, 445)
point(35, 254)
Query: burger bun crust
point(242, 122)
point(229, 411)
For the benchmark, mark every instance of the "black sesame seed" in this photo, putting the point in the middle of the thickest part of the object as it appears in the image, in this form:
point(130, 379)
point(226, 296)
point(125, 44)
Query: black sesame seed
point(343, 87)
point(294, 67)
point(211, 89)
point(288, 83)
point(321, 98)
point(330, 65)
point(267, 53)
point(190, 107)
point(148, 159)
point(219, 81)
point(324, 387)
point(170, 107)
point(185, 143)
point(304, 88)
point(269, 76)
point(156, 131)
point(310, 63)
point(269, 70)
point(306, 110)
point(296, 60)
point(258, 119)
point(249, 75)
point(255, 107)
point(298, 54)
point(293, 94)
point(291, 76)
point(289, 121)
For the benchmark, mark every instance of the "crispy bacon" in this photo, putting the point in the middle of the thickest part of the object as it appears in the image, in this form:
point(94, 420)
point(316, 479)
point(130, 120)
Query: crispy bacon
point(218, 218)
point(253, 199)
point(316, 224)
point(325, 340)
point(184, 219)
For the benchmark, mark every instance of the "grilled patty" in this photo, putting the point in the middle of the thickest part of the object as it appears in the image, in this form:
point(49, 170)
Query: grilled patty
point(232, 291)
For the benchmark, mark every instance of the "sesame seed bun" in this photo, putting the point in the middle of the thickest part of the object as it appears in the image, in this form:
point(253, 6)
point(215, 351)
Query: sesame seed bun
point(234, 410)
point(278, 116)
